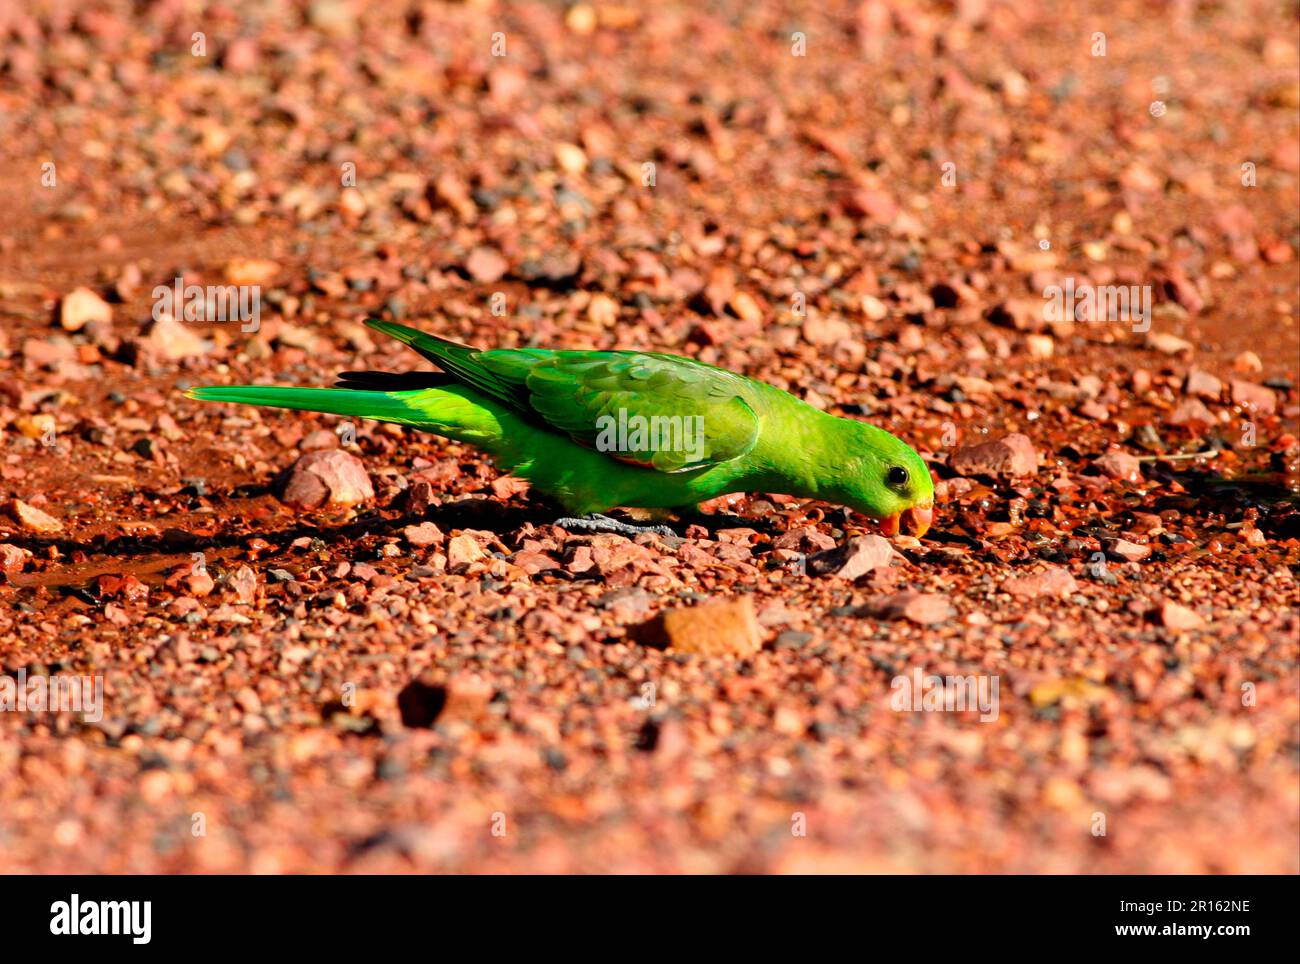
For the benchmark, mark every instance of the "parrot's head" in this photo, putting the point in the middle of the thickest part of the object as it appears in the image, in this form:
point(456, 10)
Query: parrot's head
point(883, 477)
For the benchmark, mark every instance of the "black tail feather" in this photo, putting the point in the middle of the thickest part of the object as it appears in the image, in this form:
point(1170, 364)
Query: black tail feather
point(393, 381)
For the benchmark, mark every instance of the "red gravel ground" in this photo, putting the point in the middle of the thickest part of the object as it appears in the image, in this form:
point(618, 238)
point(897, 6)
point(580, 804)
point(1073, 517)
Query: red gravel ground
point(862, 203)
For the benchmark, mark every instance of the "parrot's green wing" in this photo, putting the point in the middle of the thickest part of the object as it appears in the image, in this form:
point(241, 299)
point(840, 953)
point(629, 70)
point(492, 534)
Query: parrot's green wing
point(661, 411)
point(656, 410)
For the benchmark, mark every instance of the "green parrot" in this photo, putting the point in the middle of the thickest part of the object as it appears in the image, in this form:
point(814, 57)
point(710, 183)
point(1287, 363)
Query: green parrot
point(600, 429)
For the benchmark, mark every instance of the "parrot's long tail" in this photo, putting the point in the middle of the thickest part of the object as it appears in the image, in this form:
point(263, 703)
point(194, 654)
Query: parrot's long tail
point(454, 411)
point(385, 406)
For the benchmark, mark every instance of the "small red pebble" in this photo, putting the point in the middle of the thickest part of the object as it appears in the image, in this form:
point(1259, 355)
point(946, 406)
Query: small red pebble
point(1179, 618)
point(1013, 457)
point(1116, 464)
point(1049, 582)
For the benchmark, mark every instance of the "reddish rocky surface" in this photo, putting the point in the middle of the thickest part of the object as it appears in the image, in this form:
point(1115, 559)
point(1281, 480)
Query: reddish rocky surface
point(435, 678)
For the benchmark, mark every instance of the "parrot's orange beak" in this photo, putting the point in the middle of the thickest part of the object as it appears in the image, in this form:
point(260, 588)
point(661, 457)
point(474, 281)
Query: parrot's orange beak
point(913, 522)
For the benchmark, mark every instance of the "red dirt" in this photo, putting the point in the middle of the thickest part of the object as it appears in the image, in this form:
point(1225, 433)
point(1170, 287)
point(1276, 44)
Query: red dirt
point(497, 699)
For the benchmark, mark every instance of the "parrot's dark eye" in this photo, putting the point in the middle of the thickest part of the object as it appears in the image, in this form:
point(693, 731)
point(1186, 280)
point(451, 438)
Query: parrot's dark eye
point(897, 476)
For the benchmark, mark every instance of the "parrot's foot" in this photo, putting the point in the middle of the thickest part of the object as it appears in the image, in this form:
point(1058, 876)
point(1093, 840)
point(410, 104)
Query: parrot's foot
point(603, 523)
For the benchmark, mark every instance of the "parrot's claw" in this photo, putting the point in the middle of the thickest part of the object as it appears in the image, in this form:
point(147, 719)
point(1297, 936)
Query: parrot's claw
point(603, 523)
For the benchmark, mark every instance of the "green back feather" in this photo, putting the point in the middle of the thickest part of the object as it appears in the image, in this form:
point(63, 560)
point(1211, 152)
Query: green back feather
point(661, 411)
